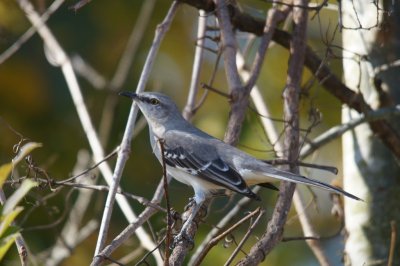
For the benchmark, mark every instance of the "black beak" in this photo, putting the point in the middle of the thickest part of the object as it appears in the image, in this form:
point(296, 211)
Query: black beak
point(128, 94)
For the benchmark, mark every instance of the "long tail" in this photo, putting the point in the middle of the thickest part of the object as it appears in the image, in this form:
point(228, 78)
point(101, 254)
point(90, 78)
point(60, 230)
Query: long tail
point(287, 176)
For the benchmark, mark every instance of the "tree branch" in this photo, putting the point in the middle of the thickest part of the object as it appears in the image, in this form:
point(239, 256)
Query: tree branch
point(332, 83)
point(291, 96)
point(123, 154)
point(57, 56)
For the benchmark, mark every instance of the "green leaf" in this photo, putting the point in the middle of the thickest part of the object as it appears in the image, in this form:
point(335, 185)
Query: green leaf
point(6, 243)
point(5, 170)
point(12, 229)
point(18, 195)
point(24, 151)
point(7, 219)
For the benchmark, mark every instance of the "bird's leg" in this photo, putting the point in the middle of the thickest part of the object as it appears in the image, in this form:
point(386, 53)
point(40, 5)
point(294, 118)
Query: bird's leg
point(192, 202)
point(183, 234)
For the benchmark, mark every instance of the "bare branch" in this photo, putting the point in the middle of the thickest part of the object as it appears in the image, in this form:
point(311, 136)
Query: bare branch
point(165, 187)
point(239, 96)
point(221, 224)
point(209, 244)
point(57, 56)
point(131, 47)
point(337, 131)
point(123, 154)
point(332, 83)
point(291, 115)
point(190, 109)
point(131, 228)
point(29, 33)
point(244, 239)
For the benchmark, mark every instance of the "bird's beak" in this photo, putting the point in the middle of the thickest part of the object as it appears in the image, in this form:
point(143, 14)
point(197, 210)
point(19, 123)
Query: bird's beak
point(128, 94)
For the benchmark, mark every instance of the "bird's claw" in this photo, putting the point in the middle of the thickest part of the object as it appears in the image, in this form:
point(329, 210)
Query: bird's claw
point(192, 202)
point(182, 237)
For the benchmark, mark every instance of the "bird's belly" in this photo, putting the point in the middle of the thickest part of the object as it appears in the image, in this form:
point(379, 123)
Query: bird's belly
point(191, 180)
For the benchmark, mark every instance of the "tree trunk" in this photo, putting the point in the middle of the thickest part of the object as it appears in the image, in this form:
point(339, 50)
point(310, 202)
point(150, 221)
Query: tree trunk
point(370, 169)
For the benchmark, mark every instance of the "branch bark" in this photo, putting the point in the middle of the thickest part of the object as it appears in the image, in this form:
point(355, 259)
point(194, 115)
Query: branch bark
point(331, 82)
point(291, 96)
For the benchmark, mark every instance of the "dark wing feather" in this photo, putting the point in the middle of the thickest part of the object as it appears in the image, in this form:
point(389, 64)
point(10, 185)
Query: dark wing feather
point(215, 171)
point(269, 186)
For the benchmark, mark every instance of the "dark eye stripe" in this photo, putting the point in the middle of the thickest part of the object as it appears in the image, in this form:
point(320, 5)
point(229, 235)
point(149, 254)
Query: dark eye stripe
point(148, 100)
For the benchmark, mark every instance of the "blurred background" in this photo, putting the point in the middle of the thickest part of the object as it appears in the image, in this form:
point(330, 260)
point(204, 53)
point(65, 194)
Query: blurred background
point(35, 102)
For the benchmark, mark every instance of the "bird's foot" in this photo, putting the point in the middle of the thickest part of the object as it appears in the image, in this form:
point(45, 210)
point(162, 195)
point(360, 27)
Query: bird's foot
point(192, 202)
point(182, 237)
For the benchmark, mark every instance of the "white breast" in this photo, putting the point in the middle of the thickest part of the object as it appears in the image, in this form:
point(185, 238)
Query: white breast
point(202, 188)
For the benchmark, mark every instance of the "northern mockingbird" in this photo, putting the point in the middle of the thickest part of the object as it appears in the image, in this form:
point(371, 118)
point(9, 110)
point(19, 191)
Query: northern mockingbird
point(207, 164)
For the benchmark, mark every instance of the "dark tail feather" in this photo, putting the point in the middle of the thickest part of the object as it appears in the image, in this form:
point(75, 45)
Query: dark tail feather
point(287, 176)
point(269, 186)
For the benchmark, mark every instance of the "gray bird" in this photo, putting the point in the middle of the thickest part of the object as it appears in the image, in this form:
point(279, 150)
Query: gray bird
point(207, 164)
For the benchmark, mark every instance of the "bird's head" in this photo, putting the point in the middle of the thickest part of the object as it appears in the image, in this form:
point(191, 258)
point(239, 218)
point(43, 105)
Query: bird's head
point(158, 108)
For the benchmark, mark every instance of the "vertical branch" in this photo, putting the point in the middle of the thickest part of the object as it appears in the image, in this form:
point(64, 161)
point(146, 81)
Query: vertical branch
point(58, 57)
point(123, 154)
point(238, 107)
point(244, 239)
point(308, 229)
point(272, 134)
point(124, 65)
point(135, 38)
point(239, 96)
point(132, 227)
point(274, 17)
point(291, 94)
point(189, 109)
point(165, 186)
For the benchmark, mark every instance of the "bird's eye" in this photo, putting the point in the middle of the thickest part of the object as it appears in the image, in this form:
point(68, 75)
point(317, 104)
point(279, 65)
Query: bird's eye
point(154, 101)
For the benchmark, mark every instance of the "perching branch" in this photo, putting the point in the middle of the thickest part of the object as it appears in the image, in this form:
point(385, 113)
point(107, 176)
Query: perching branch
point(123, 155)
point(273, 135)
point(247, 23)
point(58, 57)
point(131, 228)
point(30, 32)
point(190, 109)
point(291, 96)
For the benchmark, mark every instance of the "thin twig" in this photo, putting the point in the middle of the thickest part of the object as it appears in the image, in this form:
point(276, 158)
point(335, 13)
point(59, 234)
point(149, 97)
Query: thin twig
point(123, 155)
point(393, 237)
point(190, 109)
point(143, 260)
point(337, 131)
point(59, 58)
point(29, 33)
point(244, 239)
point(165, 186)
point(238, 93)
point(194, 260)
point(291, 114)
point(134, 40)
point(272, 132)
point(72, 178)
point(131, 228)
point(333, 84)
point(124, 65)
point(214, 241)
point(68, 240)
point(207, 87)
point(86, 71)
point(273, 17)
